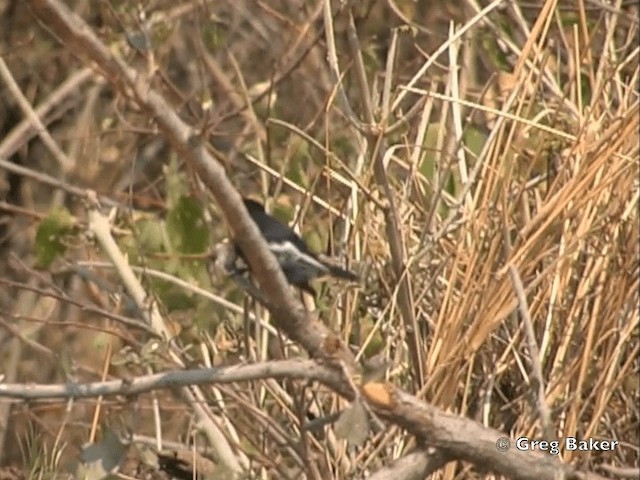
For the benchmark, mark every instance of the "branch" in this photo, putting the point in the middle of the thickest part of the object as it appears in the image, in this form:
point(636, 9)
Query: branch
point(66, 163)
point(460, 438)
point(413, 466)
point(132, 323)
point(61, 99)
point(300, 369)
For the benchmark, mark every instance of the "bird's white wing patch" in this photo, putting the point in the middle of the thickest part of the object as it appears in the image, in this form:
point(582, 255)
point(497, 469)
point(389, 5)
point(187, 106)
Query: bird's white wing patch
point(287, 250)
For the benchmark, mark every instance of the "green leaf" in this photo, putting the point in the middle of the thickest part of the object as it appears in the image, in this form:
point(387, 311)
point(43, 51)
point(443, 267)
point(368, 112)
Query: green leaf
point(50, 234)
point(474, 139)
point(375, 368)
point(175, 182)
point(187, 227)
point(353, 424)
point(430, 144)
point(149, 236)
point(101, 459)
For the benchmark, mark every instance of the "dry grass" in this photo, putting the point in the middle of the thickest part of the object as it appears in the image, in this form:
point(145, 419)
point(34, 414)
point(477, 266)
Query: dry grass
point(517, 158)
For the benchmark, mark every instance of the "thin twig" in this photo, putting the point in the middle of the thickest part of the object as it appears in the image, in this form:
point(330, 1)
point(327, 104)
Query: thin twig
point(52, 181)
point(534, 354)
point(63, 160)
point(58, 99)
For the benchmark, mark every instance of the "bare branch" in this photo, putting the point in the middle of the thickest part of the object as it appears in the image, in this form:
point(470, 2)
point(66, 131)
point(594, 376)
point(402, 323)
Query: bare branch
point(303, 369)
point(413, 466)
point(463, 439)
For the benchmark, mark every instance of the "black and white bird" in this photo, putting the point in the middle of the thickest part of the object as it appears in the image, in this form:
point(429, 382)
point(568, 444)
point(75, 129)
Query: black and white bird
point(299, 265)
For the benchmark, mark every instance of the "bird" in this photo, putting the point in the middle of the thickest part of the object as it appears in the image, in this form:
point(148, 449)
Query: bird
point(298, 263)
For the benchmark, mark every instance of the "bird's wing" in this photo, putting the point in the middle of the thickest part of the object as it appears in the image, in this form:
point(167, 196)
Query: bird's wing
point(273, 230)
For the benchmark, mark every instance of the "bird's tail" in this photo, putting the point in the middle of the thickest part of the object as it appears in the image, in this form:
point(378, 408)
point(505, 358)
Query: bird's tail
point(342, 273)
point(336, 271)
